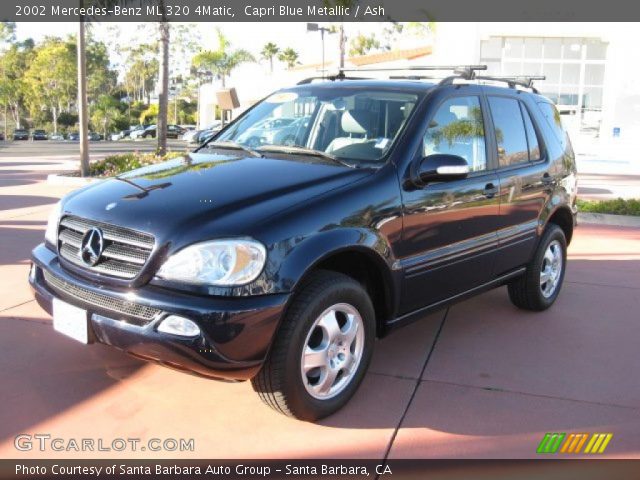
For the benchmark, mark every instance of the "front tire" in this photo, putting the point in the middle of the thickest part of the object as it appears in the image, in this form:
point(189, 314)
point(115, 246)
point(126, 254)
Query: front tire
point(540, 286)
point(322, 350)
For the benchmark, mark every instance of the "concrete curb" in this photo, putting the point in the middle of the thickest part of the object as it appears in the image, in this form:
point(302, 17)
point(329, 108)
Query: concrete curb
point(608, 219)
point(67, 181)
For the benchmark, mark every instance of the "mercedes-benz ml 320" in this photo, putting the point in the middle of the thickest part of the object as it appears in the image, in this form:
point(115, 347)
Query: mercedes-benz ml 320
point(322, 218)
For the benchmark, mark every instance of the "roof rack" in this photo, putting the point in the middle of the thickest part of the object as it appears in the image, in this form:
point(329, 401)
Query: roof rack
point(525, 81)
point(332, 78)
point(460, 72)
point(463, 71)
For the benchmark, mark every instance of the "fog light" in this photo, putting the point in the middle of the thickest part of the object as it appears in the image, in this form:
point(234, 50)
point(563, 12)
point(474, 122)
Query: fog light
point(176, 325)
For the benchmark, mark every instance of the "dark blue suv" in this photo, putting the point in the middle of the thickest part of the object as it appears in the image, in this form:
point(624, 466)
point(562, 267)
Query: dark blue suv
point(280, 257)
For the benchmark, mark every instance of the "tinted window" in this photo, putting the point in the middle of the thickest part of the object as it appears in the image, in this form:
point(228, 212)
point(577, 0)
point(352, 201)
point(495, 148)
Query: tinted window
point(553, 118)
point(457, 128)
point(509, 128)
point(532, 136)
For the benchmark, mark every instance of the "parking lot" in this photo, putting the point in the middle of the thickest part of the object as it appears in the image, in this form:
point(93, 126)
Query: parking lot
point(478, 380)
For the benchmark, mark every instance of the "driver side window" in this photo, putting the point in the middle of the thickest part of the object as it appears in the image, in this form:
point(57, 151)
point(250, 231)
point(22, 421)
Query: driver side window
point(457, 128)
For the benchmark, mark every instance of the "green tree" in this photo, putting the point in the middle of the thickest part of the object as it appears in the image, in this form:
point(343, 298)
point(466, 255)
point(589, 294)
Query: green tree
point(13, 65)
point(289, 56)
point(269, 51)
point(223, 61)
point(7, 32)
point(149, 115)
point(105, 114)
point(141, 69)
point(50, 80)
point(363, 44)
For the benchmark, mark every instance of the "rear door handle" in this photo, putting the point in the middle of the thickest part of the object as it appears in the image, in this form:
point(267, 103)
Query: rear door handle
point(490, 190)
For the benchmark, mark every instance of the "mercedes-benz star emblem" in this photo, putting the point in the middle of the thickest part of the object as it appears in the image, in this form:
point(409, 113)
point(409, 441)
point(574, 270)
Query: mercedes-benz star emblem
point(92, 246)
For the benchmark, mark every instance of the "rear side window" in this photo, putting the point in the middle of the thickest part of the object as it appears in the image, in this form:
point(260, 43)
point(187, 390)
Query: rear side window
point(511, 137)
point(553, 118)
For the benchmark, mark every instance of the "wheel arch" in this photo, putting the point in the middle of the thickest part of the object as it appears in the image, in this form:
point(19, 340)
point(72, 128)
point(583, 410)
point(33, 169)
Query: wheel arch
point(364, 257)
point(562, 217)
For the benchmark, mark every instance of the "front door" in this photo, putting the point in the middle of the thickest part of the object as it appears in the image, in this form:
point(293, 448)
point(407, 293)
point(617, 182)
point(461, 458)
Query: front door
point(449, 233)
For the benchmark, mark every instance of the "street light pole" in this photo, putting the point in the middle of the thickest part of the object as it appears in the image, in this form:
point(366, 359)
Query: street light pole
point(314, 27)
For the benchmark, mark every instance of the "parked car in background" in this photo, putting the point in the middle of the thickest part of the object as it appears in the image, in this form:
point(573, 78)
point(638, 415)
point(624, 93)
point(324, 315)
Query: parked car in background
point(56, 136)
point(142, 132)
point(189, 135)
point(173, 131)
point(94, 136)
point(73, 136)
point(207, 135)
point(199, 136)
point(1, 136)
point(39, 135)
point(21, 134)
point(265, 131)
point(120, 135)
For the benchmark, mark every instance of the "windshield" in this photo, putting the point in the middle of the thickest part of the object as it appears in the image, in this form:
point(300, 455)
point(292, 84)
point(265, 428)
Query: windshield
point(354, 125)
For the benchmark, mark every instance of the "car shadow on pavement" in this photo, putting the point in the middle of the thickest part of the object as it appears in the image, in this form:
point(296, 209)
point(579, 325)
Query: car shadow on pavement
point(10, 202)
point(16, 178)
point(18, 238)
point(24, 164)
point(45, 374)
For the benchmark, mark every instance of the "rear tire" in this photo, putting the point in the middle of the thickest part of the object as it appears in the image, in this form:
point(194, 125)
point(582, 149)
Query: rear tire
point(539, 287)
point(322, 349)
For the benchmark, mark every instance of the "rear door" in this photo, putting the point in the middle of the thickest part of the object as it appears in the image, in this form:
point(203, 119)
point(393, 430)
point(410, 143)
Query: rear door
point(449, 234)
point(525, 180)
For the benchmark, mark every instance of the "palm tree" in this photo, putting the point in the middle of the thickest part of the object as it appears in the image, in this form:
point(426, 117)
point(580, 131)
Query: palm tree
point(269, 51)
point(223, 61)
point(342, 42)
point(289, 56)
point(83, 108)
point(163, 93)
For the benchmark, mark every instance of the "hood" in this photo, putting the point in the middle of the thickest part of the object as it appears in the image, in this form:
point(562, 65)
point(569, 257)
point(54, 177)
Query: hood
point(230, 191)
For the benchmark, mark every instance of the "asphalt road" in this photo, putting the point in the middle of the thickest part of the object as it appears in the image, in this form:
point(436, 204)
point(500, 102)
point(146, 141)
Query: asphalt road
point(71, 149)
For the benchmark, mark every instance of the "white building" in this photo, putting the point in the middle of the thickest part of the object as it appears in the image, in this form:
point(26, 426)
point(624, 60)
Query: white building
point(592, 72)
point(591, 69)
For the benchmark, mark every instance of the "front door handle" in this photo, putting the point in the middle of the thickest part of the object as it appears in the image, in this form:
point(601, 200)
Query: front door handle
point(490, 190)
point(547, 179)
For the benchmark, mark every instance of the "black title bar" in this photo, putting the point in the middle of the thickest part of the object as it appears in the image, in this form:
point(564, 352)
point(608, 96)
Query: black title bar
point(317, 10)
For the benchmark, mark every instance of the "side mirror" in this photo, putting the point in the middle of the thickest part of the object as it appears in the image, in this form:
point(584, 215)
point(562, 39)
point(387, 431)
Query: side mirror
point(442, 167)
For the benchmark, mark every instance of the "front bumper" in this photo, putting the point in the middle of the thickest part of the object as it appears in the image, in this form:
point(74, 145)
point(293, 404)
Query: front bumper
point(236, 333)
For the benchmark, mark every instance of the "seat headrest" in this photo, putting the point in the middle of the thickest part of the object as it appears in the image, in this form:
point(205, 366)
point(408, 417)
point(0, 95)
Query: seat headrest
point(356, 121)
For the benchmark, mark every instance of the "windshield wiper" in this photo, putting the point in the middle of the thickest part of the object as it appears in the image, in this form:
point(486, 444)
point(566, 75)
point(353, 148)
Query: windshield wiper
point(235, 146)
point(304, 151)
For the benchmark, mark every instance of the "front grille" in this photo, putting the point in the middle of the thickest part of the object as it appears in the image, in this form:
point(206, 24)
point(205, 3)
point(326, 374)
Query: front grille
point(64, 288)
point(125, 252)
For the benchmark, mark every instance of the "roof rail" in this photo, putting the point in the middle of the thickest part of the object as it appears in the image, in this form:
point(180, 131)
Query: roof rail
point(332, 78)
point(513, 81)
point(460, 72)
point(464, 71)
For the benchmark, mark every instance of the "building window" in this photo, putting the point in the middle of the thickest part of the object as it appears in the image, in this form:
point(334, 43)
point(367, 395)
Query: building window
point(574, 67)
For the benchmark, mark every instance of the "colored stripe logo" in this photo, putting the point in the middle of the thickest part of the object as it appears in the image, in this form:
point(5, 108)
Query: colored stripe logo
point(592, 443)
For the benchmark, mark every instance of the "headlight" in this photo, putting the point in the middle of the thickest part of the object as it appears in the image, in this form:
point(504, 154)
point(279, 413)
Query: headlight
point(219, 262)
point(51, 234)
